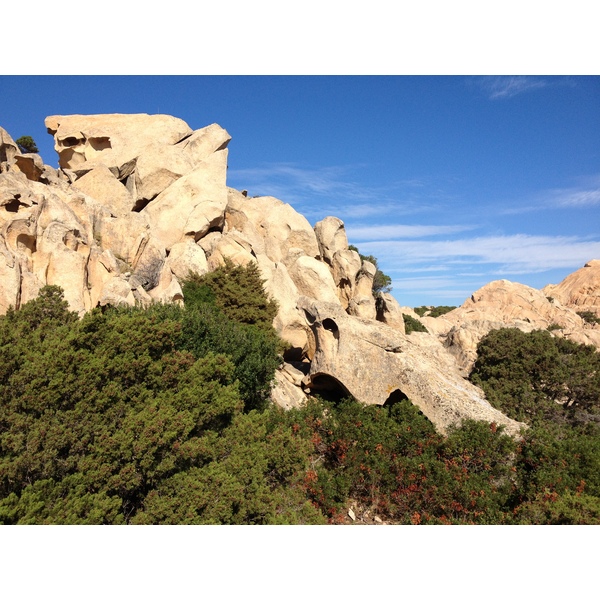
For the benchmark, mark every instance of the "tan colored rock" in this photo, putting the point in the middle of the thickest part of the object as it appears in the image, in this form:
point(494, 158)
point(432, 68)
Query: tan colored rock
point(390, 312)
point(331, 237)
point(289, 322)
point(505, 304)
point(104, 187)
point(155, 170)
point(579, 290)
point(273, 227)
point(204, 142)
point(117, 292)
point(285, 393)
point(362, 303)
point(379, 365)
point(113, 140)
point(231, 246)
point(191, 206)
point(313, 279)
point(10, 278)
point(8, 150)
point(168, 290)
point(346, 265)
point(187, 258)
point(31, 165)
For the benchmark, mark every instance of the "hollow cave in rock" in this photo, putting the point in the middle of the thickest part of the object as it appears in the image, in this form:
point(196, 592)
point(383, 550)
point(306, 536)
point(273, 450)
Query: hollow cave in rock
point(329, 388)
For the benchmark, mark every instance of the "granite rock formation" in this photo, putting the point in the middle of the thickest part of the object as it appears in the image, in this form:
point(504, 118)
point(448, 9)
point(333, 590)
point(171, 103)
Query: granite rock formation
point(139, 201)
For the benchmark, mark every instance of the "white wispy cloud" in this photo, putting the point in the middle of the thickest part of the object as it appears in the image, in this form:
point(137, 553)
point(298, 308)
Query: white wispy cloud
point(301, 182)
point(391, 232)
point(319, 191)
point(510, 254)
point(510, 86)
point(577, 197)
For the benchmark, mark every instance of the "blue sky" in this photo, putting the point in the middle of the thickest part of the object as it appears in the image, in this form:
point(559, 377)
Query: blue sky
point(451, 181)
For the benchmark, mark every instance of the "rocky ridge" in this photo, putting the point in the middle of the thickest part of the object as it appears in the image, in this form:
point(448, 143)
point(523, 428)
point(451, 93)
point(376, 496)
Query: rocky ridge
point(139, 201)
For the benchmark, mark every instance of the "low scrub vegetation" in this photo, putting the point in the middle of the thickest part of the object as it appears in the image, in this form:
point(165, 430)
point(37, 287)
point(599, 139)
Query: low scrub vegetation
point(433, 311)
point(163, 416)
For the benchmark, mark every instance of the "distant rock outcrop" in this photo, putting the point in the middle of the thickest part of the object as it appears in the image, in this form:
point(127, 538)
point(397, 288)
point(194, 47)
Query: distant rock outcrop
point(506, 304)
point(580, 290)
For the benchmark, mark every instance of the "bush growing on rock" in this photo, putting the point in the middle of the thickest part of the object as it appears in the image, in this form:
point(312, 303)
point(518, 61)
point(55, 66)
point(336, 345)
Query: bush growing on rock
point(411, 324)
point(382, 283)
point(26, 144)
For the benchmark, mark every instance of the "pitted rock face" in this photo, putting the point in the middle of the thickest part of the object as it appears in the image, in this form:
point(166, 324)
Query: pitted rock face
point(113, 138)
point(377, 364)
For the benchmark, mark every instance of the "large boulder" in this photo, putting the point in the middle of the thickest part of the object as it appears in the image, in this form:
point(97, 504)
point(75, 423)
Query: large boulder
point(379, 365)
point(273, 227)
point(331, 237)
point(362, 303)
point(579, 290)
point(193, 205)
point(113, 140)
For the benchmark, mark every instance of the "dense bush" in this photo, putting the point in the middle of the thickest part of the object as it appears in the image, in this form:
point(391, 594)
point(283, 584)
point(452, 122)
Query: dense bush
point(109, 420)
point(161, 416)
point(237, 290)
point(536, 377)
point(411, 324)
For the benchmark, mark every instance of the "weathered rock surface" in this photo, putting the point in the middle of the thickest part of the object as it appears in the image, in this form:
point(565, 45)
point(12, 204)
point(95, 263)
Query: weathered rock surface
point(379, 365)
point(505, 304)
point(111, 140)
point(579, 290)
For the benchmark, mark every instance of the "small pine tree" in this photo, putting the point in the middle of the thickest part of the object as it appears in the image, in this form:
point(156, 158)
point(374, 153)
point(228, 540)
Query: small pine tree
point(26, 144)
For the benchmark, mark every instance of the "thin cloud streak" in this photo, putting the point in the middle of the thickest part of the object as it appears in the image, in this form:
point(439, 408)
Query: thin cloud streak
point(513, 254)
point(576, 198)
point(511, 86)
point(331, 190)
point(390, 232)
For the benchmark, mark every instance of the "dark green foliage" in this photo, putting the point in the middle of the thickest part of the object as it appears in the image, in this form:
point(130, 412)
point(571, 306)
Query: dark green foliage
point(237, 290)
point(146, 416)
point(411, 324)
point(433, 311)
point(589, 317)
point(26, 144)
point(109, 420)
point(382, 283)
point(534, 376)
point(553, 384)
point(254, 351)
point(228, 311)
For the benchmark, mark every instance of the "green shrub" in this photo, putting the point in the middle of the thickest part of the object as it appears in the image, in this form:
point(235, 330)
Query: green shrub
point(411, 324)
point(26, 144)
point(535, 376)
point(110, 420)
point(589, 317)
point(433, 311)
point(236, 290)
